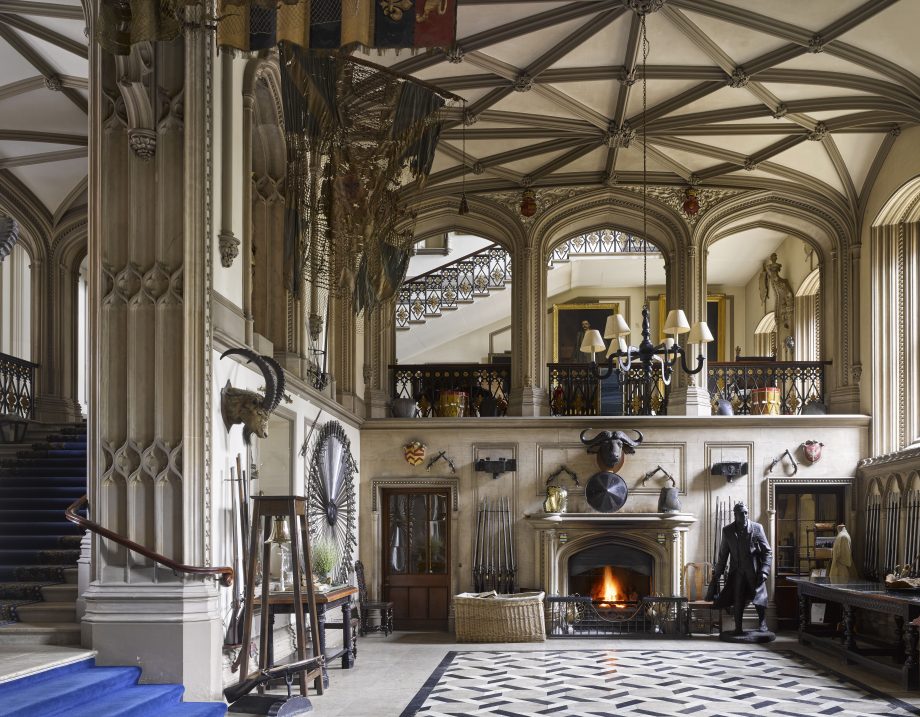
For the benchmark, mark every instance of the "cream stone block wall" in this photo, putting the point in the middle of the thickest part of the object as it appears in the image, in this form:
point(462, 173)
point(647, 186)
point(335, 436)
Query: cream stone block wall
point(684, 447)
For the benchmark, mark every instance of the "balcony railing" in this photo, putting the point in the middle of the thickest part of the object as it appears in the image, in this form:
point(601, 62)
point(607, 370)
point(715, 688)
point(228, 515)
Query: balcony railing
point(786, 388)
point(17, 378)
point(575, 391)
point(436, 388)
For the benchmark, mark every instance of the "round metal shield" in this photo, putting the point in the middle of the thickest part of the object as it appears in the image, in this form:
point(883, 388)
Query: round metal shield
point(606, 492)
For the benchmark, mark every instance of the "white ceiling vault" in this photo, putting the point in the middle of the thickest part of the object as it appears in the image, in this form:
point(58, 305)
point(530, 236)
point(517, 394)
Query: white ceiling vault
point(802, 94)
point(43, 102)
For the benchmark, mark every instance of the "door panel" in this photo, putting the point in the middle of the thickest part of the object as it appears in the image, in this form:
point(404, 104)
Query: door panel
point(416, 560)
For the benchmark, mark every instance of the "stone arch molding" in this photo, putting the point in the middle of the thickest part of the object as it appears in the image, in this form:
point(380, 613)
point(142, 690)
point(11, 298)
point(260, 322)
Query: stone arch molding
point(902, 207)
point(486, 219)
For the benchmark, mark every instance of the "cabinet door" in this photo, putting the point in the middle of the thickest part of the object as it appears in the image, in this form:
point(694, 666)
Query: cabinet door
point(416, 573)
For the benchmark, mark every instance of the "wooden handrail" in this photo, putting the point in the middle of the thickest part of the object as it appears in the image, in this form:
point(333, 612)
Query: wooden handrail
point(226, 573)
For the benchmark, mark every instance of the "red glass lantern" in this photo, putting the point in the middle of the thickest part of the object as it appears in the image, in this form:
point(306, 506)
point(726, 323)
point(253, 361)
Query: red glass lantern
point(528, 203)
point(691, 203)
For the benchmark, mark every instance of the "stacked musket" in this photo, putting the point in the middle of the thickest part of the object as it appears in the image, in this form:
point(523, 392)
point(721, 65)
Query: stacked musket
point(493, 560)
point(912, 536)
point(892, 531)
point(873, 515)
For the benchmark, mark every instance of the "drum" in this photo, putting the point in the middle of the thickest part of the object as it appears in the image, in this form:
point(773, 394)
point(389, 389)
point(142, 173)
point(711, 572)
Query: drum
point(452, 404)
point(765, 402)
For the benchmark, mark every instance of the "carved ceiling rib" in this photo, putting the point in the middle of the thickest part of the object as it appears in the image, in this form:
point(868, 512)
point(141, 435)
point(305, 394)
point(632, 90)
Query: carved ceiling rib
point(564, 159)
point(39, 63)
point(628, 77)
point(42, 158)
point(43, 33)
point(23, 135)
point(830, 146)
point(24, 7)
point(664, 159)
point(880, 156)
point(676, 102)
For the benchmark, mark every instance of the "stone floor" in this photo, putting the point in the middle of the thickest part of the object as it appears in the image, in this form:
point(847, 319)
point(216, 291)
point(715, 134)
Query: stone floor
point(626, 678)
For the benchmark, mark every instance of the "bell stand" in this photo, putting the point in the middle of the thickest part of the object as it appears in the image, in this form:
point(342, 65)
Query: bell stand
point(264, 509)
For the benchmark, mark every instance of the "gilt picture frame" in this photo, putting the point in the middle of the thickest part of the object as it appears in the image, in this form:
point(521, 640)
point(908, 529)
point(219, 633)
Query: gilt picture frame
point(567, 320)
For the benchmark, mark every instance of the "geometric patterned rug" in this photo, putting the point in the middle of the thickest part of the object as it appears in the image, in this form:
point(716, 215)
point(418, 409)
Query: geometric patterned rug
point(631, 682)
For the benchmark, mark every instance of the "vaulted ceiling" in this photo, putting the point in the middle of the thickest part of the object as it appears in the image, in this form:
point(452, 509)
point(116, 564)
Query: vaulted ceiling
point(43, 101)
point(801, 93)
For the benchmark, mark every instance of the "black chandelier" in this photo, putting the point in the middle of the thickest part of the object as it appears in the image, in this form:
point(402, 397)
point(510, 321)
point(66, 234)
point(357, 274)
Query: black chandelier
point(656, 362)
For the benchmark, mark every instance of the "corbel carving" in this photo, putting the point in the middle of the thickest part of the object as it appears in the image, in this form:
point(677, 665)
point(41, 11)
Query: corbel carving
point(135, 85)
point(229, 247)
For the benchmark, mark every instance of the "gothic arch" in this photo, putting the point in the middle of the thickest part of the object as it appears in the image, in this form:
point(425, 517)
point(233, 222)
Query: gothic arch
point(485, 218)
point(902, 207)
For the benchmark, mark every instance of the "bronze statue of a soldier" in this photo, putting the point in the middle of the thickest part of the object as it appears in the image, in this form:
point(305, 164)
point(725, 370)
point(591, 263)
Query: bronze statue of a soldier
point(745, 542)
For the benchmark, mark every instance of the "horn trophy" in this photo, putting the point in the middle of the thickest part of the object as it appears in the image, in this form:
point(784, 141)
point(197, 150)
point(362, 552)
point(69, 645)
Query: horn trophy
point(251, 408)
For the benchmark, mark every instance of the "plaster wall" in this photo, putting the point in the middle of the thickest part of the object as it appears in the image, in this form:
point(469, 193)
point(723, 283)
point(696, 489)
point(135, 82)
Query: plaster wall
point(685, 447)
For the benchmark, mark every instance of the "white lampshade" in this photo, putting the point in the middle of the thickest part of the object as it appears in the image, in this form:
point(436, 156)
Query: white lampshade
point(677, 322)
point(700, 333)
point(592, 342)
point(618, 345)
point(616, 326)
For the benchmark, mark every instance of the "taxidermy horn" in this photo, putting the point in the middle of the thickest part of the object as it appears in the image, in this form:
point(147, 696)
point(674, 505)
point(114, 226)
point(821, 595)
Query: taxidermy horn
point(603, 435)
point(250, 408)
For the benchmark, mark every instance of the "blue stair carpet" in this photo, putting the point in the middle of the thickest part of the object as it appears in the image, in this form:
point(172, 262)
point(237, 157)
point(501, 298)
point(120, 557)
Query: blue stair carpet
point(36, 542)
point(84, 690)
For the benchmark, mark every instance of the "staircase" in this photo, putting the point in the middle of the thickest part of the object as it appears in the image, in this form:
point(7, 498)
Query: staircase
point(450, 286)
point(83, 690)
point(39, 548)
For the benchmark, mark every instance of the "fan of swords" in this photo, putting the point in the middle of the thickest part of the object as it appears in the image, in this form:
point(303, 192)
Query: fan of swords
point(494, 564)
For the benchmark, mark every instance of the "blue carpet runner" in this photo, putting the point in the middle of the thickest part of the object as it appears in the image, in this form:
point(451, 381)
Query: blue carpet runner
point(36, 542)
point(84, 690)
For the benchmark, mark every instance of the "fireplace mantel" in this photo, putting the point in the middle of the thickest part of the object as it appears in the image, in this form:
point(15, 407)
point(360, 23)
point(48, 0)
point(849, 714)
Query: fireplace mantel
point(595, 521)
point(560, 535)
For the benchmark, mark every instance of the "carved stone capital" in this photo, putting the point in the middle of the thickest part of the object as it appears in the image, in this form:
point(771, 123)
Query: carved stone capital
point(229, 247)
point(619, 136)
point(143, 143)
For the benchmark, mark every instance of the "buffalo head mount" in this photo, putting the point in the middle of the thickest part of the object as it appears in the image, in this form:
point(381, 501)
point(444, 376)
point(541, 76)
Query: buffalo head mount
point(611, 448)
point(251, 408)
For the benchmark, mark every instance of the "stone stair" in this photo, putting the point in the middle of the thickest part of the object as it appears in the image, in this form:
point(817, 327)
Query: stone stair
point(39, 547)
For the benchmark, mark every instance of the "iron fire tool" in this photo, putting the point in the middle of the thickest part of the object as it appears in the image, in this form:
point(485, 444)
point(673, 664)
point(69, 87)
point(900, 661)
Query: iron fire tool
point(272, 705)
point(440, 456)
point(490, 569)
point(234, 634)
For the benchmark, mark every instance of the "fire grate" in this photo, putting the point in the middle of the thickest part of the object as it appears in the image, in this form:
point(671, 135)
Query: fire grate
point(653, 616)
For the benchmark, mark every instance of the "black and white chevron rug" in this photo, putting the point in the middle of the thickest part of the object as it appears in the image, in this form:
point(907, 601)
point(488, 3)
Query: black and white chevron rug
point(646, 683)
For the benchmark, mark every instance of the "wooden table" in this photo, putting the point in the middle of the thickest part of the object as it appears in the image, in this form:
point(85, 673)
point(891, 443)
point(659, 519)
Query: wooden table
point(860, 595)
point(282, 603)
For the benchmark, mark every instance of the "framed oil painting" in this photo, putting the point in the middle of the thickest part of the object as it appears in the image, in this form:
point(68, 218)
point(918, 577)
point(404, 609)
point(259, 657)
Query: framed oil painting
point(568, 330)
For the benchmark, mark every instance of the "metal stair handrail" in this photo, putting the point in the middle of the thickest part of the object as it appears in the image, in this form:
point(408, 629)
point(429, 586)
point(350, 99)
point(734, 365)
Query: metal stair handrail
point(428, 294)
point(225, 572)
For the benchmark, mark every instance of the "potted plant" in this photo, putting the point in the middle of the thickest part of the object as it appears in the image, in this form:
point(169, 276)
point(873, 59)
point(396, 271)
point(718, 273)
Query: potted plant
point(325, 558)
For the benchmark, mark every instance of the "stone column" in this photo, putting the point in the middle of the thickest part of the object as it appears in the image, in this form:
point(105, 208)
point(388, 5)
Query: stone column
point(150, 372)
point(342, 347)
point(689, 394)
point(379, 354)
point(528, 289)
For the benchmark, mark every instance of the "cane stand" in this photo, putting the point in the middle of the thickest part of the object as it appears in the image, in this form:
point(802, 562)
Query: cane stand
point(292, 507)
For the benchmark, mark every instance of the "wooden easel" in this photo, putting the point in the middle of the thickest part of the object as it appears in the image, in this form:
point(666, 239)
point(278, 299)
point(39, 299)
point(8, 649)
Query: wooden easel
point(264, 509)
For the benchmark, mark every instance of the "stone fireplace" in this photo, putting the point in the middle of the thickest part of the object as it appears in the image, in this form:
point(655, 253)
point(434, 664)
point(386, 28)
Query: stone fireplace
point(643, 552)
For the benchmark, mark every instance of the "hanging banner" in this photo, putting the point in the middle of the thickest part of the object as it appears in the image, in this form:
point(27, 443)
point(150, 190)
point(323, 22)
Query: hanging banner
point(436, 23)
point(394, 23)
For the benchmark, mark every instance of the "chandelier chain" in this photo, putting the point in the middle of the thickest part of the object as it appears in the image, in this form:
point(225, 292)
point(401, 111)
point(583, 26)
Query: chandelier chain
point(645, 48)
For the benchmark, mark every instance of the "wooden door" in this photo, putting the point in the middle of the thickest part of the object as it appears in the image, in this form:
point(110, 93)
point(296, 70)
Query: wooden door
point(416, 557)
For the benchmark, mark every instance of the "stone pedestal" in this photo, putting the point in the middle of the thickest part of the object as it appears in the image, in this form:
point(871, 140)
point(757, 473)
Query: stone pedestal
point(528, 401)
point(689, 401)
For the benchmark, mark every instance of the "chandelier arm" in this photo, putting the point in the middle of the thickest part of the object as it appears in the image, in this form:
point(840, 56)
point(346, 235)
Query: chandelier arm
point(700, 359)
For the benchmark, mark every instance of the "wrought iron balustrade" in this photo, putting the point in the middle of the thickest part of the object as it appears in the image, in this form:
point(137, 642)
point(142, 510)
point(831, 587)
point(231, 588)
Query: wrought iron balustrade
point(600, 243)
point(574, 390)
point(487, 386)
point(445, 288)
point(17, 379)
point(798, 384)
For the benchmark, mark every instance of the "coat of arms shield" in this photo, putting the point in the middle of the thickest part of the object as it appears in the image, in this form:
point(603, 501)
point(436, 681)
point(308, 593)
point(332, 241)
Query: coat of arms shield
point(812, 450)
point(414, 452)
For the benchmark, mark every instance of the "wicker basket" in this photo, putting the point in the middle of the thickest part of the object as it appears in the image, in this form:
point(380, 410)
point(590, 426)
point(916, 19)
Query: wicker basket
point(489, 617)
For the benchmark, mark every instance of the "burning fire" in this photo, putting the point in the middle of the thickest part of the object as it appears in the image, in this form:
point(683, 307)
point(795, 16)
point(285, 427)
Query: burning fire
point(607, 589)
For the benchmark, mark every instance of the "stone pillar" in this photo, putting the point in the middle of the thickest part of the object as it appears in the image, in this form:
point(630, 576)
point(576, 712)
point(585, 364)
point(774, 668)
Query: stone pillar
point(528, 291)
point(689, 394)
point(150, 372)
point(379, 354)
